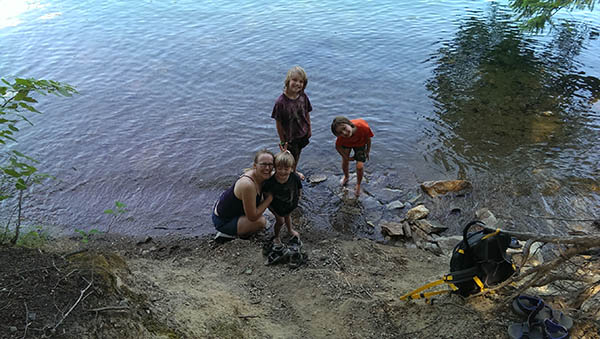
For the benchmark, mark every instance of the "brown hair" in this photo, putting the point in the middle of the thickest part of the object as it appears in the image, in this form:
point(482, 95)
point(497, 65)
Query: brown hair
point(295, 70)
point(338, 121)
point(284, 158)
point(261, 152)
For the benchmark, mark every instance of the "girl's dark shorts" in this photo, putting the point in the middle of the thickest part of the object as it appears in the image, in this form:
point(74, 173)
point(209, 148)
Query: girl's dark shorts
point(227, 226)
point(360, 153)
point(296, 146)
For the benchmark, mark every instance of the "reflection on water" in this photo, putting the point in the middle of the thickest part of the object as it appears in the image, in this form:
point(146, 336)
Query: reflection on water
point(521, 110)
point(176, 96)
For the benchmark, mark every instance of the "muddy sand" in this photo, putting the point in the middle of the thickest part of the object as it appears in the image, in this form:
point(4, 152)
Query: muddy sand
point(195, 288)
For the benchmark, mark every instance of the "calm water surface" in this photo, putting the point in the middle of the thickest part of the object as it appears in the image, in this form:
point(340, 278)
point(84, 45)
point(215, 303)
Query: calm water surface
point(176, 96)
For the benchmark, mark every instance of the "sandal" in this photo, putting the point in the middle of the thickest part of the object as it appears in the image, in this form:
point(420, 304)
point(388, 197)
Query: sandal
point(534, 329)
point(297, 259)
point(525, 305)
point(279, 253)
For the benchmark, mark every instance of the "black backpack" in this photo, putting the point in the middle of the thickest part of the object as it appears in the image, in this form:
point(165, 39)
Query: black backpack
point(478, 261)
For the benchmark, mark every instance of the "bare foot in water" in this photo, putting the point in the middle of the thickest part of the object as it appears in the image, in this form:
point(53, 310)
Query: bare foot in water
point(300, 175)
point(344, 180)
point(357, 192)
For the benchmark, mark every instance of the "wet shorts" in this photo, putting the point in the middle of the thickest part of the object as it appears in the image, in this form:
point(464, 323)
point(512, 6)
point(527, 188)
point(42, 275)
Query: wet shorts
point(296, 146)
point(360, 153)
point(227, 226)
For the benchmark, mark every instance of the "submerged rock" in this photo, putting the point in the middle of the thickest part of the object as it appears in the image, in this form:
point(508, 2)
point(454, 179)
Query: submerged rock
point(317, 178)
point(486, 216)
point(395, 205)
point(435, 188)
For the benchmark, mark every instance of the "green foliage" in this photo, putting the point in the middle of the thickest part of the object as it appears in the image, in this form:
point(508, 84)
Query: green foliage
point(120, 208)
point(34, 238)
point(538, 13)
point(85, 236)
point(16, 103)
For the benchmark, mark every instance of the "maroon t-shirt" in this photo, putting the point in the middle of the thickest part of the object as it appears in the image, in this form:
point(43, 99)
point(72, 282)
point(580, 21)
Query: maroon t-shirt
point(293, 115)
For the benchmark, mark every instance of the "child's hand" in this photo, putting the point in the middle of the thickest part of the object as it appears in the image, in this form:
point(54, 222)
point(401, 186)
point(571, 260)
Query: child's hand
point(268, 195)
point(351, 159)
point(295, 234)
point(283, 147)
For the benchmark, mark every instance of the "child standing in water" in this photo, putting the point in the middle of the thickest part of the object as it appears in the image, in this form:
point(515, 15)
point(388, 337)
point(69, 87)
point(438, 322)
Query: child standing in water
point(292, 115)
point(356, 135)
point(285, 187)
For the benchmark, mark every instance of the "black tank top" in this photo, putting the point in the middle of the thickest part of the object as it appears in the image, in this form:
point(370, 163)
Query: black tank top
point(229, 206)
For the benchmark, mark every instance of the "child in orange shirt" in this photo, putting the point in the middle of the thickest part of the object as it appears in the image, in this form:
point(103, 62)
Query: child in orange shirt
point(356, 135)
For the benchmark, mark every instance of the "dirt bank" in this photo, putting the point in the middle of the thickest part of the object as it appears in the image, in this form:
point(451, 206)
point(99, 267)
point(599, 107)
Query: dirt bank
point(195, 288)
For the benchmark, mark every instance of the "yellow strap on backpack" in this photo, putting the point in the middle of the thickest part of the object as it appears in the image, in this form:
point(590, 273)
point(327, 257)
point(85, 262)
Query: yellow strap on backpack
point(416, 294)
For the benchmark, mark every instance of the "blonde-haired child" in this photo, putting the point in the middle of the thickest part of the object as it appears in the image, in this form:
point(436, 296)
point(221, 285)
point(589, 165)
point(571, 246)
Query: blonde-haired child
point(352, 135)
point(292, 115)
point(286, 188)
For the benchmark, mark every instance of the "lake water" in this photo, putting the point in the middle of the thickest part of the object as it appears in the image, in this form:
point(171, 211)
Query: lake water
point(176, 96)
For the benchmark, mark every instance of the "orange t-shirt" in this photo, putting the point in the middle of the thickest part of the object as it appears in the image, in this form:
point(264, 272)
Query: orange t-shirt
point(360, 137)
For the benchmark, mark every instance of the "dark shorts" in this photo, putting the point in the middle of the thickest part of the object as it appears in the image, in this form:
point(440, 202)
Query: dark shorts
point(227, 226)
point(360, 153)
point(296, 146)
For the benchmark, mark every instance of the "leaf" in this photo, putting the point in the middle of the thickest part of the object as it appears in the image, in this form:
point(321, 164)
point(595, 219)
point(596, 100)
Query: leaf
point(109, 211)
point(12, 127)
point(30, 108)
point(20, 95)
point(23, 82)
point(11, 172)
point(119, 204)
point(21, 185)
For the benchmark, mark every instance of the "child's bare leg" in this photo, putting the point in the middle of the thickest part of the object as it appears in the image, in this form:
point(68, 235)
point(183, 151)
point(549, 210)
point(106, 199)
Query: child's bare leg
point(288, 224)
point(359, 176)
point(296, 159)
point(345, 163)
point(277, 228)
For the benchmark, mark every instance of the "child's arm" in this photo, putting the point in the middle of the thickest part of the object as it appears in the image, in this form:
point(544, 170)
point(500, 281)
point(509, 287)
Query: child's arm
point(284, 143)
point(368, 147)
point(342, 153)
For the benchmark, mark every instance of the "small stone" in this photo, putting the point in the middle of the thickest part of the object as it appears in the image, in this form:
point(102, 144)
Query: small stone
point(317, 178)
point(13, 329)
point(248, 271)
point(395, 205)
point(416, 213)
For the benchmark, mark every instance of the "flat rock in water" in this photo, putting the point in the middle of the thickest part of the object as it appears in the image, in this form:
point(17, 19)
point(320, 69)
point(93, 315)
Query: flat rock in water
point(395, 205)
point(317, 178)
point(435, 188)
point(416, 213)
point(392, 228)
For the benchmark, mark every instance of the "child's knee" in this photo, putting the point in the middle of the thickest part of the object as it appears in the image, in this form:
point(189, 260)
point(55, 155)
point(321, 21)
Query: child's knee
point(359, 165)
point(262, 222)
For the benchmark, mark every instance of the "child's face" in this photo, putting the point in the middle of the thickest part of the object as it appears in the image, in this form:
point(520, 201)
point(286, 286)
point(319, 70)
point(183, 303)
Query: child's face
point(282, 172)
point(296, 84)
point(344, 130)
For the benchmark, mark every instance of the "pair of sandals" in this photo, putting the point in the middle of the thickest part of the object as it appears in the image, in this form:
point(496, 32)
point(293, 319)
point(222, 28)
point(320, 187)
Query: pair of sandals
point(542, 320)
point(280, 253)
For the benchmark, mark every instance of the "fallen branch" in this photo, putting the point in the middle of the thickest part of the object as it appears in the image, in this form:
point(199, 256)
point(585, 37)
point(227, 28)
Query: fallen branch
point(81, 297)
point(109, 308)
